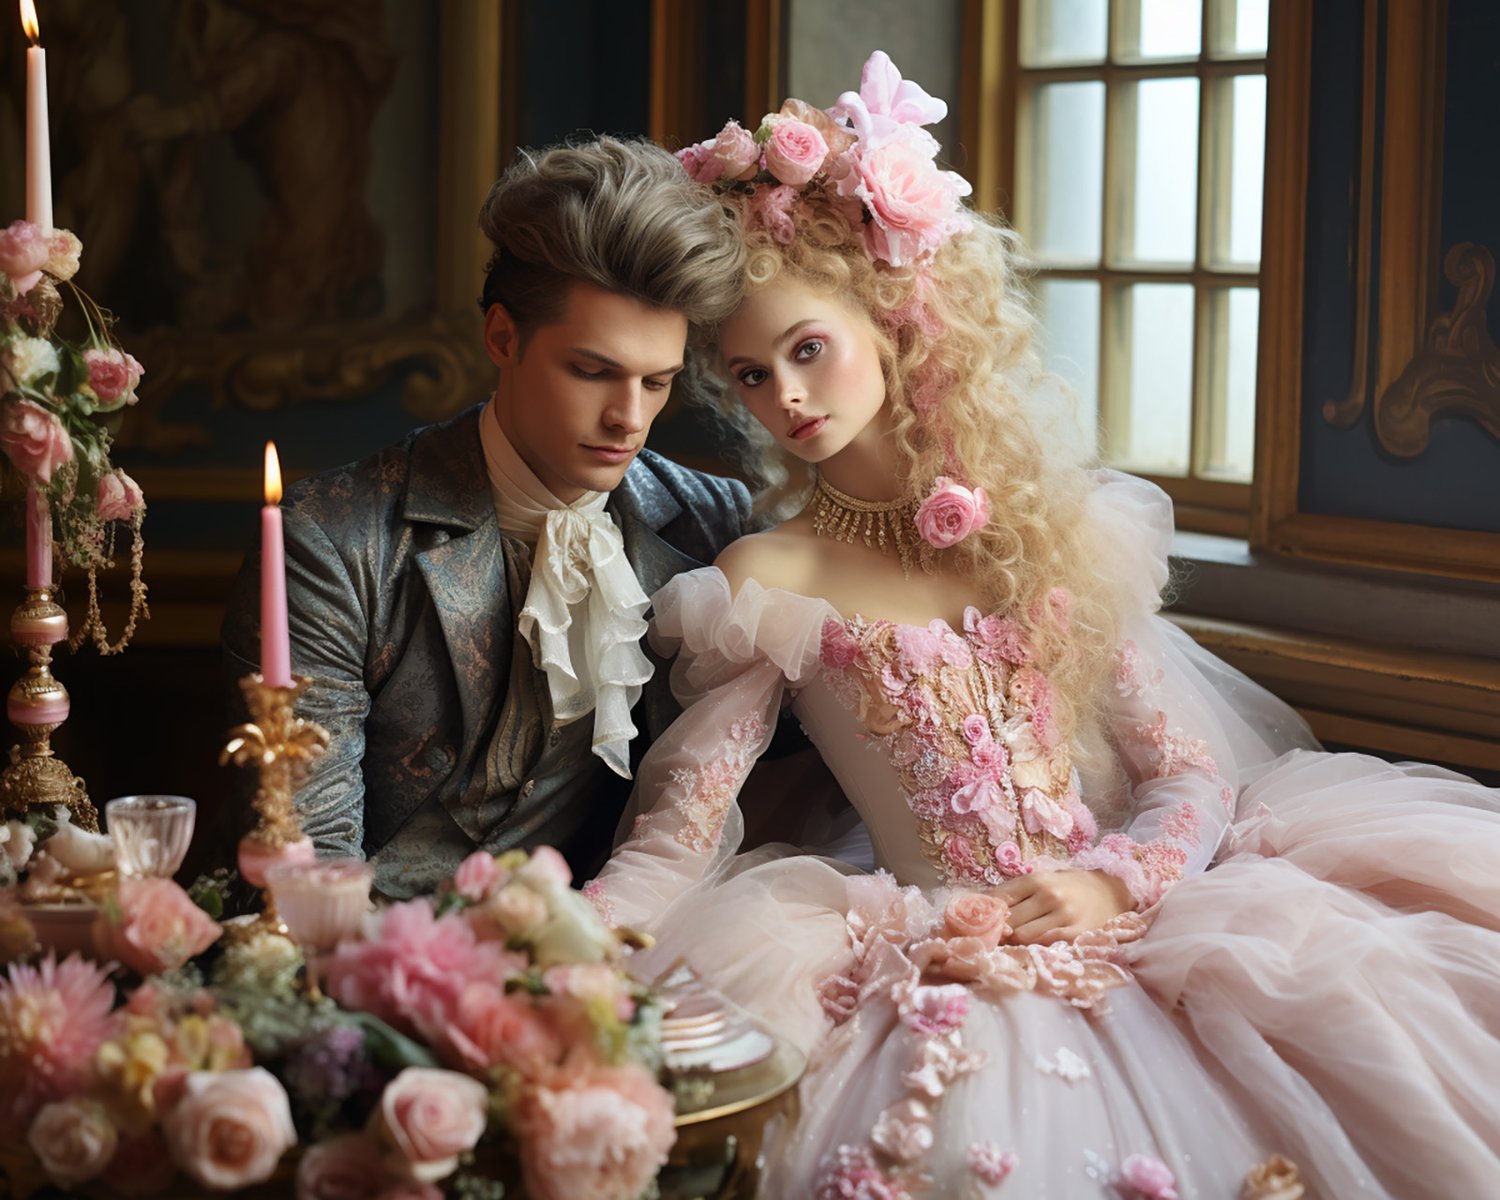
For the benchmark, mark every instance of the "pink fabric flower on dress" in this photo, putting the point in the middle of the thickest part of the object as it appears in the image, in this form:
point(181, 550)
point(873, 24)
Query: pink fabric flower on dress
point(117, 497)
point(53, 1018)
point(157, 927)
point(936, 1010)
point(977, 915)
point(838, 649)
point(737, 152)
point(34, 440)
point(853, 1175)
point(951, 513)
point(904, 1131)
point(113, 375)
point(839, 997)
point(795, 151)
point(990, 1163)
point(1148, 1178)
point(976, 729)
point(24, 250)
point(1008, 859)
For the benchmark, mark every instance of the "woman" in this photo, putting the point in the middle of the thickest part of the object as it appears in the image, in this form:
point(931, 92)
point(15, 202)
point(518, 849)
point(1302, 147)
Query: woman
point(1042, 988)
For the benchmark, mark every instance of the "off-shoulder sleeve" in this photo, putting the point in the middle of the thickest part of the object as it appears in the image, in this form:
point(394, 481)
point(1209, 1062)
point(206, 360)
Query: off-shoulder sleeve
point(1189, 729)
point(736, 654)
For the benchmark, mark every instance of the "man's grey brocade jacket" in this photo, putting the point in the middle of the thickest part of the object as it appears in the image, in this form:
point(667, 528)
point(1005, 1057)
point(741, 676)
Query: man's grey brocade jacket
point(401, 590)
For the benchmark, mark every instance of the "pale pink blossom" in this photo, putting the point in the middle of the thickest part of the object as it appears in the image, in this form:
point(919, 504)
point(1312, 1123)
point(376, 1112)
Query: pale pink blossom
point(990, 1163)
point(544, 869)
point(591, 981)
point(990, 756)
point(432, 1116)
point(771, 209)
point(1040, 811)
point(229, 1129)
point(478, 877)
point(118, 497)
point(976, 729)
point(1008, 859)
point(951, 513)
point(63, 251)
point(73, 1140)
point(795, 151)
point(699, 162)
point(34, 440)
point(490, 1027)
point(936, 1009)
point(157, 927)
point(594, 1133)
point(886, 102)
point(904, 1131)
point(853, 1175)
point(349, 1167)
point(1148, 1178)
point(113, 375)
point(977, 915)
point(515, 909)
point(839, 997)
point(24, 250)
point(737, 152)
point(838, 649)
point(53, 1018)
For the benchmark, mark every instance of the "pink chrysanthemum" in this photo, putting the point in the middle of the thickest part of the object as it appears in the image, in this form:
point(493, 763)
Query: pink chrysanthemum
point(53, 1018)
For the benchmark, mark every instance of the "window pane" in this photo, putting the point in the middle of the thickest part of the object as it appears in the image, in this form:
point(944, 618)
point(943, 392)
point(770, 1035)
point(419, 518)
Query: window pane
point(1061, 205)
point(1153, 29)
point(1228, 418)
point(1236, 113)
point(1240, 27)
point(1148, 421)
point(1070, 320)
point(1063, 31)
point(1161, 218)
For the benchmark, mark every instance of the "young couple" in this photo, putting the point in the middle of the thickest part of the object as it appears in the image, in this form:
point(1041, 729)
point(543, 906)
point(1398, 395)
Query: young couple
point(1044, 991)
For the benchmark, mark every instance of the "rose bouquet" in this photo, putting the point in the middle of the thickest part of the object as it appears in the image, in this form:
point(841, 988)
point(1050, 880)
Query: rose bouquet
point(484, 1032)
point(59, 398)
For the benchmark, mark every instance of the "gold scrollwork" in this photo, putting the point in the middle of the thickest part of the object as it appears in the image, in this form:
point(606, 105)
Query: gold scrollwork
point(1457, 372)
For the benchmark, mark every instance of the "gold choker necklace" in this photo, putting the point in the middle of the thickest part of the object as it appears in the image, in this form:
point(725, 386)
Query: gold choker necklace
point(880, 524)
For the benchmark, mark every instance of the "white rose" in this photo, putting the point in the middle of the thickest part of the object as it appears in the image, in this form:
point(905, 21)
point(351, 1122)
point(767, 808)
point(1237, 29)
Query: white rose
point(19, 839)
point(29, 358)
point(573, 932)
point(517, 909)
point(82, 852)
point(73, 1140)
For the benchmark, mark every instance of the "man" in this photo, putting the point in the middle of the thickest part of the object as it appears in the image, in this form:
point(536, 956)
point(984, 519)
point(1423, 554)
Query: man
point(468, 603)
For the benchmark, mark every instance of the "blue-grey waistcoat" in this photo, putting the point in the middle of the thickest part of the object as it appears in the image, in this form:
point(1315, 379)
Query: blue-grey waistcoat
point(402, 595)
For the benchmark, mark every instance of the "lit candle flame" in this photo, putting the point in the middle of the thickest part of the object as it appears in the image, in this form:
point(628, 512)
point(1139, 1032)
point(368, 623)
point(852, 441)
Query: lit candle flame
point(273, 475)
point(29, 23)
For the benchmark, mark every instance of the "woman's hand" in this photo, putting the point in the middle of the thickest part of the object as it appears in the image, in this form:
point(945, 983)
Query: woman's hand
point(1055, 906)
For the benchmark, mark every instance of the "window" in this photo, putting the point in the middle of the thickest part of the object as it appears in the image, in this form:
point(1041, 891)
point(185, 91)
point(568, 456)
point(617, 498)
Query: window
point(1139, 134)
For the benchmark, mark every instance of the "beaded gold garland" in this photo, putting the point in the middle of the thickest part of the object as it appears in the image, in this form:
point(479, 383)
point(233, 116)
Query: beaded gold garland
point(880, 524)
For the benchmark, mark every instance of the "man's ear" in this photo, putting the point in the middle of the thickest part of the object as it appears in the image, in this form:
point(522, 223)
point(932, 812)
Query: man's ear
point(502, 336)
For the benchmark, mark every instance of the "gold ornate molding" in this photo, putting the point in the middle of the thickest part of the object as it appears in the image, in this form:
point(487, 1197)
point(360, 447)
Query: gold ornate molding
point(1457, 373)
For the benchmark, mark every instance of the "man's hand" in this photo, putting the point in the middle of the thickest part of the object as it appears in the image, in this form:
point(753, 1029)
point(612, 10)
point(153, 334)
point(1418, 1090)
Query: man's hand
point(1055, 906)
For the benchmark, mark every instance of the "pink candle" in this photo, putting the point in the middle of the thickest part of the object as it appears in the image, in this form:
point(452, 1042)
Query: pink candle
point(38, 144)
point(38, 539)
point(275, 643)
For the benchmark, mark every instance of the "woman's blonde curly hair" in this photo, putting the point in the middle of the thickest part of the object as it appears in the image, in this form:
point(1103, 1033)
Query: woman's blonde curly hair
point(956, 339)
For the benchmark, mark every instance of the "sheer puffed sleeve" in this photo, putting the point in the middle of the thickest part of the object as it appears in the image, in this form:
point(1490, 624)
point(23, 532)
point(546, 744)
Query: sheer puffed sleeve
point(735, 657)
point(1189, 729)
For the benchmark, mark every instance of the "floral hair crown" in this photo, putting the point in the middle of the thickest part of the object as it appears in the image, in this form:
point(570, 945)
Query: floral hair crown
point(869, 149)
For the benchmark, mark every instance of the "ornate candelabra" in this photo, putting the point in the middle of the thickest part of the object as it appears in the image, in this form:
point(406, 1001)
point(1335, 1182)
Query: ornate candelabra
point(37, 705)
point(281, 746)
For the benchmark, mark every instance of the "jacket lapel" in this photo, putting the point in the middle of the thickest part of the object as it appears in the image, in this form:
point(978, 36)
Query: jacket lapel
point(644, 507)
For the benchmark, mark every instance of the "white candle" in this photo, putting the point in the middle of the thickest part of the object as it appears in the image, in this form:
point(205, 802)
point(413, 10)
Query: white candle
point(38, 139)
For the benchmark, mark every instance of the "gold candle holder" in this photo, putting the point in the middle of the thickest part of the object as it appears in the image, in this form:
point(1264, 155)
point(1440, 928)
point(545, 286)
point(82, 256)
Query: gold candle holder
point(37, 705)
point(281, 746)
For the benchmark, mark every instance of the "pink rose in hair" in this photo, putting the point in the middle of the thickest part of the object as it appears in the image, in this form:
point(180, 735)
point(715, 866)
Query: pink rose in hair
point(34, 440)
point(795, 151)
point(63, 251)
point(113, 375)
point(157, 928)
point(431, 1117)
point(24, 251)
point(699, 162)
point(914, 206)
point(118, 497)
point(977, 915)
point(229, 1129)
point(951, 513)
point(737, 151)
point(771, 210)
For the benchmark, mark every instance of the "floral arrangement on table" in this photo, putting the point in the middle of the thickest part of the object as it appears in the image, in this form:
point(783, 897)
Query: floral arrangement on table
point(490, 1023)
point(59, 401)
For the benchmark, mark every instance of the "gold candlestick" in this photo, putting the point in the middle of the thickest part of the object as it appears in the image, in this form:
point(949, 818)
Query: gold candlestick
point(37, 705)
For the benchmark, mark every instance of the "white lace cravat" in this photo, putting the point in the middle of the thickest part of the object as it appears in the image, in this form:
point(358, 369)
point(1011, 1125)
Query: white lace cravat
point(584, 612)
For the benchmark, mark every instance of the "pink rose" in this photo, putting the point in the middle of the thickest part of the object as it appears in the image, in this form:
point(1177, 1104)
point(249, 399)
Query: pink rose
point(113, 375)
point(34, 440)
point(157, 927)
point(491, 1027)
point(977, 915)
point(795, 151)
point(478, 877)
point(976, 729)
point(73, 1139)
point(914, 206)
point(1150, 1178)
point(63, 250)
point(597, 1134)
point(24, 251)
point(343, 1168)
point(431, 1117)
point(229, 1129)
point(118, 497)
point(962, 959)
point(839, 997)
point(699, 162)
point(737, 152)
point(951, 512)
point(1008, 859)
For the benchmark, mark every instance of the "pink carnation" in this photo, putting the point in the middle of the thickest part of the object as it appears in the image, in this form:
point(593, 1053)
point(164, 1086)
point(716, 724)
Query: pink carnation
point(771, 209)
point(24, 250)
point(157, 927)
point(990, 1163)
point(118, 497)
point(113, 375)
point(795, 151)
point(34, 440)
point(936, 1009)
point(490, 1027)
point(839, 649)
point(594, 1134)
point(478, 877)
point(53, 1017)
point(63, 251)
point(951, 513)
point(737, 152)
point(1148, 1178)
point(699, 162)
